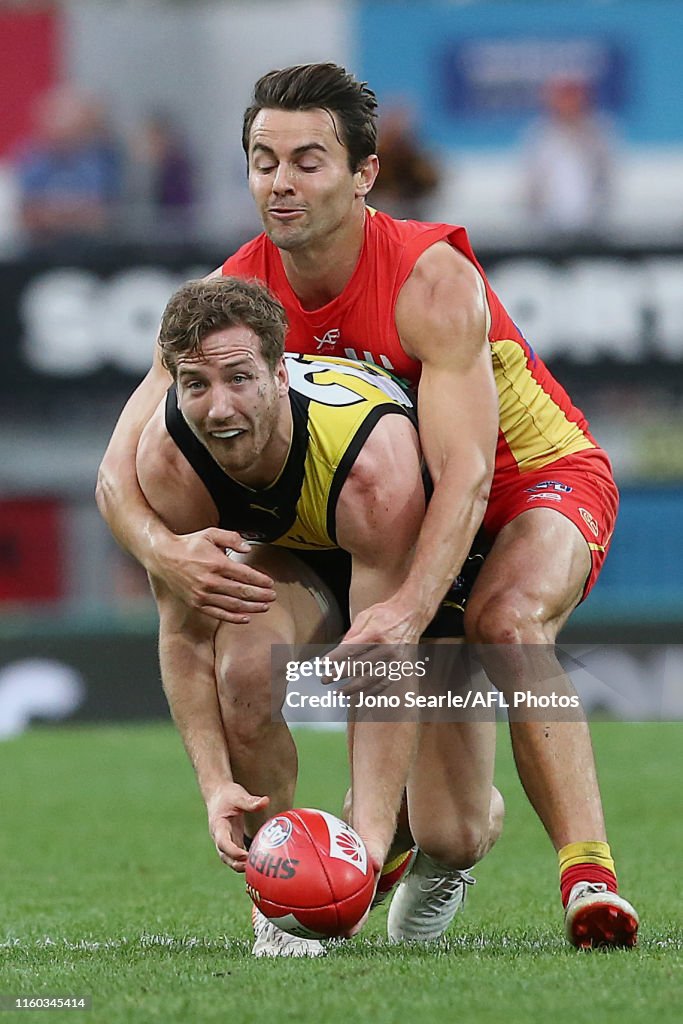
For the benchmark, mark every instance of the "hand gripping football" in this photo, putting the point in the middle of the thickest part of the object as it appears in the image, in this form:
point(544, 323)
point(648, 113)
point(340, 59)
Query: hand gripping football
point(310, 874)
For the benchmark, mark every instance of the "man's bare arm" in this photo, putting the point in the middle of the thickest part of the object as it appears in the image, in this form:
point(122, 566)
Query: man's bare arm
point(186, 648)
point(380, 510)
point(442, 315)
point(120, 500)
point(379, 513)
point(187, 658)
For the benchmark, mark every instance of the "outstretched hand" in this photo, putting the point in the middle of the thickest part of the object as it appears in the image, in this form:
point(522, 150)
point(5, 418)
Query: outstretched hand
point(226, 810)
point(198, 569)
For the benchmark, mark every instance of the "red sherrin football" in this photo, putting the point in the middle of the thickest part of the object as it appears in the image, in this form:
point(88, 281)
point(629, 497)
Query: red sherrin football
point(310, 874)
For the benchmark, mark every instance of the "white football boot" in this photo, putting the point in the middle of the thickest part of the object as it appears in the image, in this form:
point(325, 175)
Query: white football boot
point(426, 901)
point(272, 941)
point(596, 918)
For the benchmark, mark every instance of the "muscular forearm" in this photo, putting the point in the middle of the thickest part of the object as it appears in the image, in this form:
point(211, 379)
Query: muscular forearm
point(381, 757)
point(443, 318)
point(452, 519)
point(188, 674)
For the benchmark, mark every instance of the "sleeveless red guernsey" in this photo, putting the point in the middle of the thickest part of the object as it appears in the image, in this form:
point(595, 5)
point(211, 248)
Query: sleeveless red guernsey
point(538, 423)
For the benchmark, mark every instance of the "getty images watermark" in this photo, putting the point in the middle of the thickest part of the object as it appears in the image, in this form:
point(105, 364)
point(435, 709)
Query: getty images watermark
point(383, 673)
point(452, 681)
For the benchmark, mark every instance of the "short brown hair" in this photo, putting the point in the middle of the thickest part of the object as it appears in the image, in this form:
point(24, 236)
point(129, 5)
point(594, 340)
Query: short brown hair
point(201, 307)
point(329, 87)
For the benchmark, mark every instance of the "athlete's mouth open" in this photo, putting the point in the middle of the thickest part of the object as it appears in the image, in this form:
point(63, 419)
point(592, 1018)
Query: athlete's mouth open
point(226, 434)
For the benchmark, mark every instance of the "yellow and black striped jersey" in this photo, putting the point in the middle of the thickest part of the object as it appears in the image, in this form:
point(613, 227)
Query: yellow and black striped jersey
point(335, 404)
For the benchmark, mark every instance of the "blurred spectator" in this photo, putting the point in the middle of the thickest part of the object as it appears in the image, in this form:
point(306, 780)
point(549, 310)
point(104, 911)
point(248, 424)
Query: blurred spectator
point(569, 161)
point(163, 178)
point(408, 174)
point(69, 174)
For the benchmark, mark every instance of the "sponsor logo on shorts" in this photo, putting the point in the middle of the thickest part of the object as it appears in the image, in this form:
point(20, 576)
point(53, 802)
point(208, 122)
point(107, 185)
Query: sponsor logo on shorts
point(547, 495)
point(589, 521)
point(551, 485)
point(275, 833)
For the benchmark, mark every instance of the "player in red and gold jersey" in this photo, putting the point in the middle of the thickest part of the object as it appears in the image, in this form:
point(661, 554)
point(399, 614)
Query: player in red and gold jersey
point(503, 442)
point(538, 425)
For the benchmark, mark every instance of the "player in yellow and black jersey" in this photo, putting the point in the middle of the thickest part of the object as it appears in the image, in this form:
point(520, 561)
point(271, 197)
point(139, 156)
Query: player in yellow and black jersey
point(335, 404)
point(320, 457)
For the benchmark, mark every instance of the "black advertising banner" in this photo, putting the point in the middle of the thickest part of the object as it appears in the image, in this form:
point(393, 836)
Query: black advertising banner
point(104, 674)
point(78, 673)
point(82, 328)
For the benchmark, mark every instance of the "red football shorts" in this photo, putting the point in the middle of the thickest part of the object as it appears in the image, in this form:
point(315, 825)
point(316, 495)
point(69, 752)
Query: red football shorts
point(580, 487)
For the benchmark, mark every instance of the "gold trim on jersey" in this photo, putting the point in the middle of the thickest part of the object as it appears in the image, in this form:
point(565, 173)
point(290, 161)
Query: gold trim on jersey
point(536, 429)
point(330, 432)
point(345, 400)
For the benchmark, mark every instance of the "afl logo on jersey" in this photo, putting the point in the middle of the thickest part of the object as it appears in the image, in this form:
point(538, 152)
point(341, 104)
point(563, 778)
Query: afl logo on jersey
point(330, 337)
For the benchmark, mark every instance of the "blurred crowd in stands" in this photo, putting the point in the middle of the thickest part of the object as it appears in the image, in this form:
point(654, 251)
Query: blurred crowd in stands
point(78, 180)
point(569, 162)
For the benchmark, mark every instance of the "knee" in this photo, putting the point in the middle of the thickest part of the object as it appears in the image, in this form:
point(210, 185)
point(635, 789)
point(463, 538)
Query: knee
point(246, 697)
point(459, 848)
point(469, 838)
point(504, 619)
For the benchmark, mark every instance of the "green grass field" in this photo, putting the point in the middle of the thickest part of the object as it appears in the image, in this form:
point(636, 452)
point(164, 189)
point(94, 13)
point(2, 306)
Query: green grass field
point(110, 888)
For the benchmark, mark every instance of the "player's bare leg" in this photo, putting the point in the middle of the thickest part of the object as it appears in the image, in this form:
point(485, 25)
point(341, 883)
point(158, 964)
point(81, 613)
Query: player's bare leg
point(402, 840)
point(380, 755)
point(456, 815)
point(531, 581)
point(455, 812)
